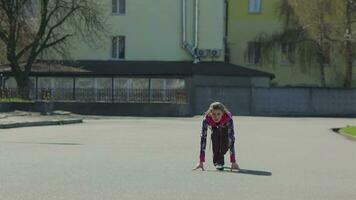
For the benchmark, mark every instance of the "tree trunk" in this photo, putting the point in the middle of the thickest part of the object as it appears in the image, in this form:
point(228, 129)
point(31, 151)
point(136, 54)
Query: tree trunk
point(348, 67)
point(349, 55)
point(23, 85)
point(322, 74)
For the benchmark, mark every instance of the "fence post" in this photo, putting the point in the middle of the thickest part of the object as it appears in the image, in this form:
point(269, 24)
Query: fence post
point(74, 88)
point(252, 102)
point(310, 102)
point(112, 89)
point(1, 81)
point(36, 88)
point(149, 90)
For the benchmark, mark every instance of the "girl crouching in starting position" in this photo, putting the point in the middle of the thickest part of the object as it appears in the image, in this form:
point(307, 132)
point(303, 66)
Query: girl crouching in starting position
point(219, 120)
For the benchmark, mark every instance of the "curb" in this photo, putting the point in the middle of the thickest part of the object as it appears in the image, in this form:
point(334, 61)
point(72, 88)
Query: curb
point(40, 123)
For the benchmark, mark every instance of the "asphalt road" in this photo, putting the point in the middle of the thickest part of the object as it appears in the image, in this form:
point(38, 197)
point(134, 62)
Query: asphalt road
point(152, 158)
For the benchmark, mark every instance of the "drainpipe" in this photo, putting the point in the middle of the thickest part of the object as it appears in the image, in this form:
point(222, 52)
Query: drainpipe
point(184, 23)
point(192, 49)
point(196, 32)
point(226, 37)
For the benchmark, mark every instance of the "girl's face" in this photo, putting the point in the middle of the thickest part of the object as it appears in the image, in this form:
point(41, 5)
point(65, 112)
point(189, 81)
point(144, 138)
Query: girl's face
point(216, 114)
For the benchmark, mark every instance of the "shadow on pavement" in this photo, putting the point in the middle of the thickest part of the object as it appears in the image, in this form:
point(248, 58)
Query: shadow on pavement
point(48, 143)
point(60, 143)
point(243, 171)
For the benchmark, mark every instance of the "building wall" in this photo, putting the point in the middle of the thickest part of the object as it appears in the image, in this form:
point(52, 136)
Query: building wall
point(279, 101)
point(244, 27)
point(153, 30)
point(230, 81)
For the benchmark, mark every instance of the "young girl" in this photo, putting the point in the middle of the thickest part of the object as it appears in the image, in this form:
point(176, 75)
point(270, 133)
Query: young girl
point(219, 120)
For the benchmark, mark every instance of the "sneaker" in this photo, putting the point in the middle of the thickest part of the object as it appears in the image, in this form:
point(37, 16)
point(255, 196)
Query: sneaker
point(219, 167)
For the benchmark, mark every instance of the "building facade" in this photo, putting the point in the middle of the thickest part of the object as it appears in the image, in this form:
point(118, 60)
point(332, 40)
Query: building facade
point(249, 18)
point(151, 30)
point(166, 52)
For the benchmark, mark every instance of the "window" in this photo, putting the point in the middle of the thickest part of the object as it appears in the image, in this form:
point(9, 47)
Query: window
point(254, 6)
point(118, 47)
point(118, 7)
point(131, 90)
point(287, 52)
point(167, 90)
point(253, 53)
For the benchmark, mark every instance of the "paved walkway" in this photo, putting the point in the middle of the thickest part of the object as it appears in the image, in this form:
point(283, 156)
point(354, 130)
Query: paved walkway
point(19, 119)
point(152, 158)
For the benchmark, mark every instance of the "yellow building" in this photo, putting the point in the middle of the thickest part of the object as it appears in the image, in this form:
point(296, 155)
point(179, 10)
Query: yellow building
point(151, 45)
point(249, 18)
point(151, 30)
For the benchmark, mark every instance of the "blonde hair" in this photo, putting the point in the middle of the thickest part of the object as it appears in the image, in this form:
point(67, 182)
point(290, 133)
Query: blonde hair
point(216, 106)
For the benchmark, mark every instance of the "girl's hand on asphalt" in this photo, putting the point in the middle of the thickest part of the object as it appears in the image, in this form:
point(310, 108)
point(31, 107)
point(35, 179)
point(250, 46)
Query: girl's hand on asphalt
point(234, 166)
point(199, 165)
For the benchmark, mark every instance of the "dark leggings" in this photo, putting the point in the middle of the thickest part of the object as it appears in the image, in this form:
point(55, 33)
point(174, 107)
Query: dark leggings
point(220, 144)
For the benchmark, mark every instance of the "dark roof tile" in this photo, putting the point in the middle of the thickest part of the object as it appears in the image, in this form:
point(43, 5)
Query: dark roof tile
point(141, 68)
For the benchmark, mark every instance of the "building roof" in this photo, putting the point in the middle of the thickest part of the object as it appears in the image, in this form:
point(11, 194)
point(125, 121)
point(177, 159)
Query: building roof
point(139, 68)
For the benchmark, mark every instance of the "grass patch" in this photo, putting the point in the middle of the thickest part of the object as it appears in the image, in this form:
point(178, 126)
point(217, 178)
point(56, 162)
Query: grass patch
point(14, 100)
point(349, 130)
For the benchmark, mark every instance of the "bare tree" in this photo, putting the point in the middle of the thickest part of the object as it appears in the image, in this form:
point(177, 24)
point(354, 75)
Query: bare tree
point(316, 28)
point(2, 45)
point(346, 37)
point(31, 27)
point(336, 20)
point(2, 53)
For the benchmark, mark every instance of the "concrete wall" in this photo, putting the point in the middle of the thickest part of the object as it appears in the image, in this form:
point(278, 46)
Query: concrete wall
point(231, 81)
point(240, 101)
point(207, 89)
point(6, 107)
point(279, 101)
point(336, 102)
point(236, 99)
point(276, 101)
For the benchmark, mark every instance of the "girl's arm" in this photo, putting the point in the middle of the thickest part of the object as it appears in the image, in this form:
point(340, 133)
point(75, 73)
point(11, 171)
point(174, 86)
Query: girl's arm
point(231, 135)
point(203, 135)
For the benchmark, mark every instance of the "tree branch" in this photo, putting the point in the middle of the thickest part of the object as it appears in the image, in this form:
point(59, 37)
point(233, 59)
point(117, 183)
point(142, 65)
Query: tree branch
point(332, 39)
point(3, 36)
point(45, 46)
point(44, 22)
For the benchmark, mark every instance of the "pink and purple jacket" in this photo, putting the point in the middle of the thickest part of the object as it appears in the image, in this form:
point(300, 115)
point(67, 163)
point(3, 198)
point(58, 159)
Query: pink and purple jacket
point(226, 120)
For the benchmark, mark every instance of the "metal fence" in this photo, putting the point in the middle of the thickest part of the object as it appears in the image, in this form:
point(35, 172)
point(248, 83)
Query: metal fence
point(7, 93)
point(175, 96)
